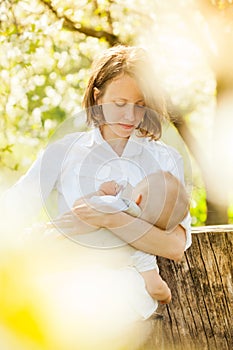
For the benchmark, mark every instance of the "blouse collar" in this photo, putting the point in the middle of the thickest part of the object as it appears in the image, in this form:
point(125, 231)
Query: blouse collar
point(133, 147)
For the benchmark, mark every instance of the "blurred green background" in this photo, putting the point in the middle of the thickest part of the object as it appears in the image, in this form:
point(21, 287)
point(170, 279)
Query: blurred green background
point(46, 50)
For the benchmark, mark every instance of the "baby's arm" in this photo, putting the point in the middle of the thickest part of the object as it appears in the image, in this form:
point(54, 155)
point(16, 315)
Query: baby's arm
point(156, 286)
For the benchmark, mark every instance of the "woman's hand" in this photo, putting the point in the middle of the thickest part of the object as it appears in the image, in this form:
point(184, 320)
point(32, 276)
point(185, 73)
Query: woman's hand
point(91, 214)
point(70, 224)
point(84, 217)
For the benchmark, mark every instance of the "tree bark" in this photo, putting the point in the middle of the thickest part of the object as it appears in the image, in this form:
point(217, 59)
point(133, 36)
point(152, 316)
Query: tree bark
point(217, 195)
point(200, 314)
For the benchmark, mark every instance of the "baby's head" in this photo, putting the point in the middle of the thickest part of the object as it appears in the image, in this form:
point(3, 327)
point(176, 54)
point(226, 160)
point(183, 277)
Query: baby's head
point(162, 198)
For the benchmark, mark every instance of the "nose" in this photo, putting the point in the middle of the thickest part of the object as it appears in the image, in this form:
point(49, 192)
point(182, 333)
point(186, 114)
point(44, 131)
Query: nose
point(130, 112)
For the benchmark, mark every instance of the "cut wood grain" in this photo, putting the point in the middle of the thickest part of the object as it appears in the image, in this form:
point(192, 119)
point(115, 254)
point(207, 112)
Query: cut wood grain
point(200, 314)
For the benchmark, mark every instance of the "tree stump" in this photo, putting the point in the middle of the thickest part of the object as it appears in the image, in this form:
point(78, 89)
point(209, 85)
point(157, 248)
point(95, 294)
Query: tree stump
point(200, 314)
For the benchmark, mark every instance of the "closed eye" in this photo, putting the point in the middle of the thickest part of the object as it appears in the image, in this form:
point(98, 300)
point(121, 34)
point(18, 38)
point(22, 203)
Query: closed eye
point(140, 108)
point(120, 103)
point(123, 103)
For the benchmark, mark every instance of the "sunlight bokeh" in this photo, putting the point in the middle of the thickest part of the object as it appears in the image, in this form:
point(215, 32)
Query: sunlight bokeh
point(49, 300)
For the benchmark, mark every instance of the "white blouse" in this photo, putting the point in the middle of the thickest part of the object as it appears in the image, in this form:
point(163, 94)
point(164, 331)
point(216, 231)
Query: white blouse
point(78, 163)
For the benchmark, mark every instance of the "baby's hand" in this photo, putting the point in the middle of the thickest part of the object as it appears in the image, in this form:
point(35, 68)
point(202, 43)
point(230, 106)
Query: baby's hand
point(110, 188)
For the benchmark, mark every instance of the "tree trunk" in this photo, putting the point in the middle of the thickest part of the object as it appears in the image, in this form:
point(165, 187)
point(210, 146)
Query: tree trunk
point(216, 213)
point(200, 314)
point(218, 184)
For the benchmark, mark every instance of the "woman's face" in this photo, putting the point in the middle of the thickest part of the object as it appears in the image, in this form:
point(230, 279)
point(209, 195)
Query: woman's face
point(123, 107)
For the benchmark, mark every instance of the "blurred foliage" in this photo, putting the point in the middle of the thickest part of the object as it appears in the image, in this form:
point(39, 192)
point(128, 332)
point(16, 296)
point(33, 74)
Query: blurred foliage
point(45, 61)
point(230, 212)
point(46, 49)
point(198, 206)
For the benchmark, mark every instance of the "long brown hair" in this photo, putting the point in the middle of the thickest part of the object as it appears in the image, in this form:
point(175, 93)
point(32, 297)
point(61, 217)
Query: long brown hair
point(133, 61)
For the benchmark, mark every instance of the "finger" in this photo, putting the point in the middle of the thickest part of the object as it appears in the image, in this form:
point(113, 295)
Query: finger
point(117, 188)
point(86, 204)
point(78, 211)
point(63, 216)
point(79, 207)
point(63, 221)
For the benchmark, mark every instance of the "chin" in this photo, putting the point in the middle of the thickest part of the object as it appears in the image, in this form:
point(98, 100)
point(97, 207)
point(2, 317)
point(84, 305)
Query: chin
point(124, 133)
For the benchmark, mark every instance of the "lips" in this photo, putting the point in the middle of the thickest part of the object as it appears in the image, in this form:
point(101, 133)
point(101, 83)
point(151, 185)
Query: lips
point(127, 126)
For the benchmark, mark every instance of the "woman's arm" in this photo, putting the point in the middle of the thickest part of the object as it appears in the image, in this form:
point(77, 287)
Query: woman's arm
point(138, 233)
point(146, 237)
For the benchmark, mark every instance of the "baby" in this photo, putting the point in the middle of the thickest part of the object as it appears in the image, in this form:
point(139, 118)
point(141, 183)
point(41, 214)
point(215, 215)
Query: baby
point(159, 199)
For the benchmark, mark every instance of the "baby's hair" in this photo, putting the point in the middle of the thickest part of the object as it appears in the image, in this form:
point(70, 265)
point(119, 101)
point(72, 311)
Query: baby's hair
point(165, 202)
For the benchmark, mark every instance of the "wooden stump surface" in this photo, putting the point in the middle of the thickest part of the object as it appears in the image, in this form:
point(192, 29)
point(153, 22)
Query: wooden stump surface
point(200, 315)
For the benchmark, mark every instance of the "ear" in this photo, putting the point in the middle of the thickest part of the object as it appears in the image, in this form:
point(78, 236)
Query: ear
point(138, 199)
point(96, 93)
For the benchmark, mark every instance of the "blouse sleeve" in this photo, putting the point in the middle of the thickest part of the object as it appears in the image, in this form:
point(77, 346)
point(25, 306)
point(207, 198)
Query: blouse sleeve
point(21, 203)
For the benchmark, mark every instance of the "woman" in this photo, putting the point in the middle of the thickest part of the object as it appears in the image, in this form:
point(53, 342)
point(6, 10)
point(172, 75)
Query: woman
point(124, 105)
point(126, 110)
